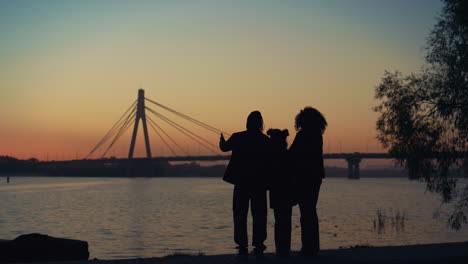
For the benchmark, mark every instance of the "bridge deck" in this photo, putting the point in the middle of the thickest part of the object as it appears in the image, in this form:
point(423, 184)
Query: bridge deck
point(228, 157)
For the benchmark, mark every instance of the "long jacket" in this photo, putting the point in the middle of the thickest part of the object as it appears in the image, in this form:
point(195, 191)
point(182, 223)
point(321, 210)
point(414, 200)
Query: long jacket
point(249, 159)
point(306, 157)
point(281, 182)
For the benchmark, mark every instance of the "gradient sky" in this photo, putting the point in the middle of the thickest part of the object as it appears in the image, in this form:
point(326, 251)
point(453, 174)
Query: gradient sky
point(69, 69)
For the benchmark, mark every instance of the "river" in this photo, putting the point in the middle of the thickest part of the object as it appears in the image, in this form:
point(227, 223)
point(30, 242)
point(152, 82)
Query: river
point(147, 217)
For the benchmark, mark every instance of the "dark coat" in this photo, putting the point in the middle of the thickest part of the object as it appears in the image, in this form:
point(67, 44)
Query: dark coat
point(281, 192)
point(249, 159)
point(306, 158)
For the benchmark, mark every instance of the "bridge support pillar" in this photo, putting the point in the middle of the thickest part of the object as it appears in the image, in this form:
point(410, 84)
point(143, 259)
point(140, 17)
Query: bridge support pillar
point(350, 168)
point(356, 169)
point(353, 166)
point(140, 114)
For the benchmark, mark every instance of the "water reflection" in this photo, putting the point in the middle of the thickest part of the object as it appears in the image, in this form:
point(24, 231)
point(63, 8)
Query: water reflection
point(396, 221)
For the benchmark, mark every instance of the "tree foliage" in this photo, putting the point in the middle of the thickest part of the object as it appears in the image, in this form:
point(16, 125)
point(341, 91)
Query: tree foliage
point(424, 116)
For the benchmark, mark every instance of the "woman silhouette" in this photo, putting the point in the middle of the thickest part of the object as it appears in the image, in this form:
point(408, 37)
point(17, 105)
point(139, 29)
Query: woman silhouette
point(307, 163)
point(247, 171)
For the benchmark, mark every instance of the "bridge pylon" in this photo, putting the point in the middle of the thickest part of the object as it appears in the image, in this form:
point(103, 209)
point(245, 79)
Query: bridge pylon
point(140, 114)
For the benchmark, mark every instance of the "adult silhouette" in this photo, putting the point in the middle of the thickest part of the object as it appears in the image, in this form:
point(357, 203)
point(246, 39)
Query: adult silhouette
point(247, 171)
point(281, 190)
point(307, 164)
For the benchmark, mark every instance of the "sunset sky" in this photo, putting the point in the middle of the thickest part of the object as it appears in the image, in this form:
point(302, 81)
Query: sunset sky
point(69, 69)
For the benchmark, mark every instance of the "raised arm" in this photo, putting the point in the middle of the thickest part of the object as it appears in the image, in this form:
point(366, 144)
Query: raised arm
point(225, 145)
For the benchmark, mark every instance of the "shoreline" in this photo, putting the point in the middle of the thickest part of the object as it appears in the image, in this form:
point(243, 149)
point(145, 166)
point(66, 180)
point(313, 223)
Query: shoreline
point(427, 253)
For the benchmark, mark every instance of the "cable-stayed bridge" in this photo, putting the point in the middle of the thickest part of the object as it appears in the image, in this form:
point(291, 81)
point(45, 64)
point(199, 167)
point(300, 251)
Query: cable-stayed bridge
point(137, 113)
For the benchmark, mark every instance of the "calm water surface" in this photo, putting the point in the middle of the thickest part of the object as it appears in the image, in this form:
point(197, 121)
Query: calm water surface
point(145, 217)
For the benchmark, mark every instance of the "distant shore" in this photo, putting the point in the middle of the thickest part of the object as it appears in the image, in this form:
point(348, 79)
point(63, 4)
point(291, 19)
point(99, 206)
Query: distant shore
point(10, 166)
point(456, 253)
point(216, 172)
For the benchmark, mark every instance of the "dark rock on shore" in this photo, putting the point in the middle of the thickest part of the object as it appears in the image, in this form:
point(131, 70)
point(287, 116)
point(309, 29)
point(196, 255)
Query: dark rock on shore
point(38, 248)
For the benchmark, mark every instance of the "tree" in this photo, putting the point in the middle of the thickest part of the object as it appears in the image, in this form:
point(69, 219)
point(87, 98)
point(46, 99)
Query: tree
point(424, 116)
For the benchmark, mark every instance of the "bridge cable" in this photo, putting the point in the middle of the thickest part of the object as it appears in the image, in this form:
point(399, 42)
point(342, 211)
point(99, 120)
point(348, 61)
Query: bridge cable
point(117, 137)
point(116, 126)
point(122, 130)
point(112, 130)
point(167, 135)
point(163, 140)
point(110, 133)
point(123, 124)
point(181, 129)
point(193, 120)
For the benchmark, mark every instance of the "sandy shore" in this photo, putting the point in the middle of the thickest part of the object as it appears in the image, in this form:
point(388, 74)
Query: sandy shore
point(431, 253)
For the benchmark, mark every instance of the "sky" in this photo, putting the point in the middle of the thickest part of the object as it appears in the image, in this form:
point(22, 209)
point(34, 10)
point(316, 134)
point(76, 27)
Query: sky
point(70, 69)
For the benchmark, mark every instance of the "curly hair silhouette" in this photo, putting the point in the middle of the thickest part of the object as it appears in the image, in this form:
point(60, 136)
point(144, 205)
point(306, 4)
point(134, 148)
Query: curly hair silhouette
point(310, 118)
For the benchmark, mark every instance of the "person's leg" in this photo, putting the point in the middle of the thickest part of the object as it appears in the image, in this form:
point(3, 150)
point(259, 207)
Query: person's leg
point(283, 229)
point(240, 208)
point(277, 213)
point(259, 217)
point(309, 221)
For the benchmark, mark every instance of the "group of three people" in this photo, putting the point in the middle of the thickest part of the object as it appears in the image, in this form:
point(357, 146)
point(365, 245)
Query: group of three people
point(293, 176)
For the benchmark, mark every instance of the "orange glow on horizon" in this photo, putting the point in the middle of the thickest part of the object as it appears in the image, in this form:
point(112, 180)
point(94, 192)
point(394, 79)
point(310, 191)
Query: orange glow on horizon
point(69, 71)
